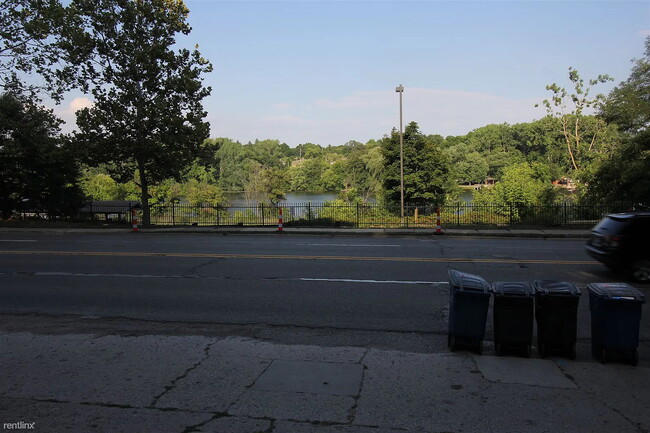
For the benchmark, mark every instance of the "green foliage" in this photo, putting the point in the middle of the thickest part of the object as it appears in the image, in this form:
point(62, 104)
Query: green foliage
point(427, 177)
point(624, 175)
point(307, 176)
point(99, 186)
point(523, 185)
point(39, 171)
point(31, 41)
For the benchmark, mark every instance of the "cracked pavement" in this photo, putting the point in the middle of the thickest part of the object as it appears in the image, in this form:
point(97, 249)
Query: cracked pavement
point(231, 384)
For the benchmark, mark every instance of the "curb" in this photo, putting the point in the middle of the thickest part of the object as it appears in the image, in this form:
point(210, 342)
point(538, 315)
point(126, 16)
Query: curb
point(545, 234)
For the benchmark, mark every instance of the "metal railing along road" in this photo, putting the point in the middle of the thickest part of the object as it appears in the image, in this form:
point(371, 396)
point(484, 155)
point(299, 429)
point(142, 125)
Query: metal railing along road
point(352, 215)
point(360, 215)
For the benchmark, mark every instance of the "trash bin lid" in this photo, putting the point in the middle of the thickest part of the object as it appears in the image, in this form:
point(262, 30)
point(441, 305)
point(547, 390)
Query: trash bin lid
point(464, 281)
point(513, 288)
point(616, 291)
point(555, 288)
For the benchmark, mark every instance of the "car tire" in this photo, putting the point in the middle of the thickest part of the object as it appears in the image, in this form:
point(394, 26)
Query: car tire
point(641, 271)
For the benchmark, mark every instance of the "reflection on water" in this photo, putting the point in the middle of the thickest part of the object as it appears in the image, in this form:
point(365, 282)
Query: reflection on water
point(467, 195)
point(237, 199)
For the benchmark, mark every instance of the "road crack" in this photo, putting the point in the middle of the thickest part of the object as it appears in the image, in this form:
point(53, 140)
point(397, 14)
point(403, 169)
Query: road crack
point(172, 385)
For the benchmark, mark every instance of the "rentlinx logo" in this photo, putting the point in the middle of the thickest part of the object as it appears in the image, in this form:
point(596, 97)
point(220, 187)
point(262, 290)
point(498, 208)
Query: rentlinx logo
point(20, 425)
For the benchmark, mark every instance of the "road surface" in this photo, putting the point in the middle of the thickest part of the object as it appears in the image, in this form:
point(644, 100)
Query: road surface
point(363, 283)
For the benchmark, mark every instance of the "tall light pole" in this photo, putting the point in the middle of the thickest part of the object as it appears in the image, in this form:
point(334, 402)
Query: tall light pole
point(400, 89)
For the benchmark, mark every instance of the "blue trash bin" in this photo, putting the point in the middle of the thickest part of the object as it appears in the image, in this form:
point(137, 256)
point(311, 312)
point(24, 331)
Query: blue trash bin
point(615, 319)
point(469, 300)
point(514, 303)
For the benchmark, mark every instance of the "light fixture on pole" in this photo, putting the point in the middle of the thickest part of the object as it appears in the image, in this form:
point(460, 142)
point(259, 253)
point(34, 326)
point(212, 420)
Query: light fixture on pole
point(400, 89)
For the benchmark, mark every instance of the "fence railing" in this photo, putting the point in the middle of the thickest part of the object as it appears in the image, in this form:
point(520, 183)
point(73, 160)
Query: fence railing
point(357, 215)
point(513, 215)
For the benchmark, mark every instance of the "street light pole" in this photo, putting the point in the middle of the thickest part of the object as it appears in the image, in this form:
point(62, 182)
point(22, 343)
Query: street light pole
point(400, 89)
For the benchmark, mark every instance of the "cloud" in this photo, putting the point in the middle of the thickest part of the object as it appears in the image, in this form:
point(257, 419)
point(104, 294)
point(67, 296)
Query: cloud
point(281, 106)
point(370, 115)
point(80, 103)
point(644, 32)
point(68, 112)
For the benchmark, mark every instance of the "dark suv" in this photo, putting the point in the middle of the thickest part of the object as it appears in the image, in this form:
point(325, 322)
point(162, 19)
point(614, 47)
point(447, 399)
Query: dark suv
point(622, 242)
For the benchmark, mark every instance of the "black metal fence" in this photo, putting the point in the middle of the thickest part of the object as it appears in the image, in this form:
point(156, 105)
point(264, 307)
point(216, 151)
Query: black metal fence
point(357, 215)
point(513, 215)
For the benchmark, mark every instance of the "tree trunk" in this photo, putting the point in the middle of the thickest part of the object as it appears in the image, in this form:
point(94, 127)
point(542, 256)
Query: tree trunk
point(144, 196)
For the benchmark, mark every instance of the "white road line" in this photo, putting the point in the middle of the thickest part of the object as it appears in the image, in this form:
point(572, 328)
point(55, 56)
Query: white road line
point(345, 280)
point(348, 245)
point(332, 280)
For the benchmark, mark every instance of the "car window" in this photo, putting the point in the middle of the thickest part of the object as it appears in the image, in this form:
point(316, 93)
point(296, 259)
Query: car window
point(611, 225)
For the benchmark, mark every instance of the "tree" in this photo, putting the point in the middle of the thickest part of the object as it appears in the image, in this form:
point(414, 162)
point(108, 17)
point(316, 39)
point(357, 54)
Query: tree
point(625, 175)
point(307, 176)
point(581, 132)
point(148, 113)
point(427, 177)
point(38, 169)
point(31, 40)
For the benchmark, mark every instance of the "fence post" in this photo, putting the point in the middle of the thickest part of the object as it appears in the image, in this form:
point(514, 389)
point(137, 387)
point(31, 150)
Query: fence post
point(173, 213)
point(309, 211)
point(218, 215)
point(357, 214)
point(511, 216)
point(262, 210)
point(565, 215)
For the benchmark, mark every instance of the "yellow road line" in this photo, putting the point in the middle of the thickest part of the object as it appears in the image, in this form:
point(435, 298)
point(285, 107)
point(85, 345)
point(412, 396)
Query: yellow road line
point(298, 257)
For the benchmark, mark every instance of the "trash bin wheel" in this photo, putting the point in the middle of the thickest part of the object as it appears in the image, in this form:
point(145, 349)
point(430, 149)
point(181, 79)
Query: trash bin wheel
point(529, 350)
point(452, 343)
point(542, 350)
point(479, 347)
point(635, 358)
point(498, 348)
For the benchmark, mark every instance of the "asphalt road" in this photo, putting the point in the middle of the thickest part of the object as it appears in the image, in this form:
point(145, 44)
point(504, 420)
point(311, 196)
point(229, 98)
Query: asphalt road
point(359, 283)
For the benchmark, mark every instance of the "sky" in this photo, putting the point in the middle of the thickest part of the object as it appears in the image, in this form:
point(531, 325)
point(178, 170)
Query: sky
point(325, 72)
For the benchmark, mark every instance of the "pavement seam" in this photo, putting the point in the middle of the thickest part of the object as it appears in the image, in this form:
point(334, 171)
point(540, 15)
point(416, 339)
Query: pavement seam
point(636, 425)
point(106, 405)
point(248, 387)
point(194, 427)
point(206, 355)
point(352, 412)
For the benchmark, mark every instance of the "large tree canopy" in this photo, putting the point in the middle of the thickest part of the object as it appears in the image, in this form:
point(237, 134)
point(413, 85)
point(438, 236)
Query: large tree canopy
point(427, 177)
point(31, 40)
point(147, 114)
point(625, 174)
point(38, 170)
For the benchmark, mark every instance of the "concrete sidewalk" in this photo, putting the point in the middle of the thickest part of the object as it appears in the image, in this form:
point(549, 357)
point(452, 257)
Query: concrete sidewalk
point(116, 383)
point(504, 232)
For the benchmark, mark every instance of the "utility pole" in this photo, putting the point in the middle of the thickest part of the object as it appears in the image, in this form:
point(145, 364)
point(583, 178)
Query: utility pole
point(400, 89)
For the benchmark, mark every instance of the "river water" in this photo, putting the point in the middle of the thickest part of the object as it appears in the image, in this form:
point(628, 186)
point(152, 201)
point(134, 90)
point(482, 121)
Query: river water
point(237, 199)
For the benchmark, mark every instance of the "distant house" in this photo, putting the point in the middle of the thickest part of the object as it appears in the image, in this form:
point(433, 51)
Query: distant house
point(566, 183)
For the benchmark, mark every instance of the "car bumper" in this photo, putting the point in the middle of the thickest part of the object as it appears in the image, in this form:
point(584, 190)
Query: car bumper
point(607, 257)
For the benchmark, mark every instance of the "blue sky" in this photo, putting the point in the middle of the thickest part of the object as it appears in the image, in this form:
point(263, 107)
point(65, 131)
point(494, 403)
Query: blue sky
point(326, 71)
